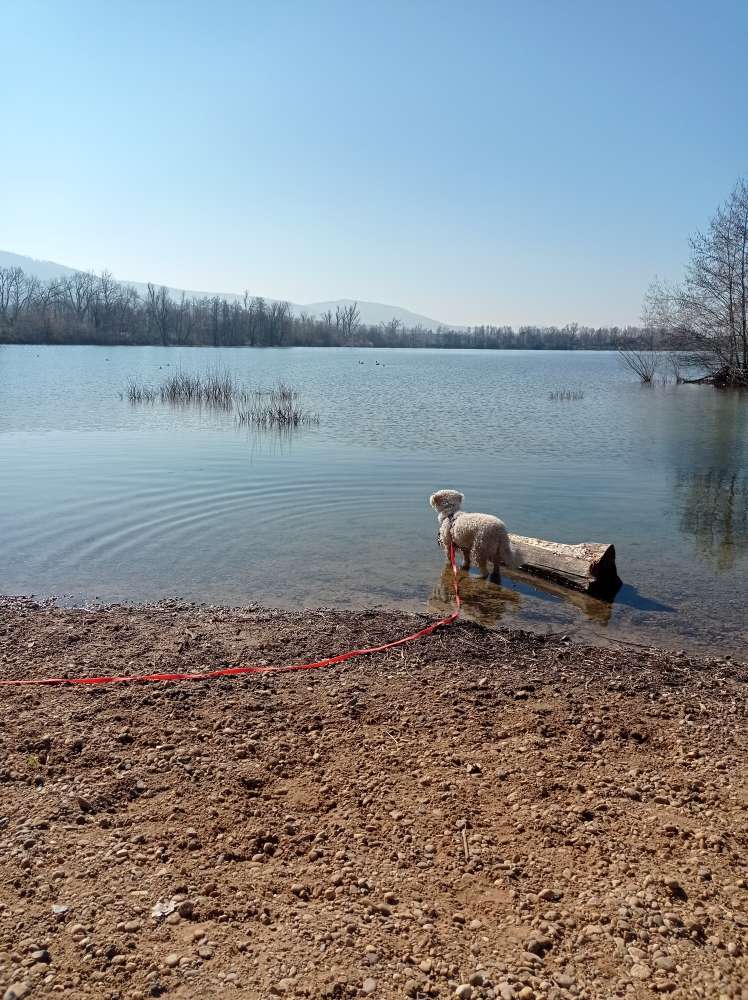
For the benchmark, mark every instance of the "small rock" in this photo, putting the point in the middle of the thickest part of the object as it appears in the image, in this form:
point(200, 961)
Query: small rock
point(16, 991)
point(476, 979)
point(526, 993)
point(665, 963)
point(205, 952)
point(539, 945)
point(640, 971)
point(369, 985)
point(172, 961)
point(463, 992)
point(675, 889)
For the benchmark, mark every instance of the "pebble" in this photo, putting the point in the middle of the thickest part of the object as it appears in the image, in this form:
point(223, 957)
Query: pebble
point(16, 991)
point(666, 963)
point(641, 971)
point(463, 992)
point(172, 961)
point(369, 985)
point(526, 993)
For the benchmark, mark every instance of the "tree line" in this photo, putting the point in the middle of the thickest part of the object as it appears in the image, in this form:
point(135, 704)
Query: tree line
point(84, 308)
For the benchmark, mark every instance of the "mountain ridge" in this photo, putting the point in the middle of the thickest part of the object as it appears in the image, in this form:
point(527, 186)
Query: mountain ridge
point(372, 313)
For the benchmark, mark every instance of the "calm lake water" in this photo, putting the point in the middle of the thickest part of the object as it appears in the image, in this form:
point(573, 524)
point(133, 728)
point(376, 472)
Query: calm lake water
point(104, 501)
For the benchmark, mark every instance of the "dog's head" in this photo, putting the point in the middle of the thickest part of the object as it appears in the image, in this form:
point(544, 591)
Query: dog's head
point(446, 501)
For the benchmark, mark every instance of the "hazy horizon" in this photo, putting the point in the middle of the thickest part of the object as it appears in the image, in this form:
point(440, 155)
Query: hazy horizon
point(477, 165)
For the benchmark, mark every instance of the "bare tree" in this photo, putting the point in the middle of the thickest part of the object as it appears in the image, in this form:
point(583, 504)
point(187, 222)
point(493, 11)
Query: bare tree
point(641, 363)
point(391, 328)
point(348, 320)
point(17, 291)
point(707, 315)
point(157, 306)
point(182, 321)
point(77, 291)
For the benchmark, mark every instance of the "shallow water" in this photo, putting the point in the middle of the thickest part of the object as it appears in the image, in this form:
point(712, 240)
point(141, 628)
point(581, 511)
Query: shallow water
point(102, 500)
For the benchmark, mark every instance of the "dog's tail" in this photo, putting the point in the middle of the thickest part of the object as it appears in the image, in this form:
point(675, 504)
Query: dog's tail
point(507, 555)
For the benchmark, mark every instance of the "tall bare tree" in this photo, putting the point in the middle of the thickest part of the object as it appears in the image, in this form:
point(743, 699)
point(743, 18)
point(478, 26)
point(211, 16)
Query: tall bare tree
point(707, 314)
point(348, 320)
point(158, 307)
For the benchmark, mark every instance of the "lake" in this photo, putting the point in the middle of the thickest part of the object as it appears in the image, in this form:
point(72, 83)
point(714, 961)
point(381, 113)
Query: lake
point(102, 500)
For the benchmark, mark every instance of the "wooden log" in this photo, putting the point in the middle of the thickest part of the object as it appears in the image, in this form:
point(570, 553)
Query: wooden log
point(588, 566)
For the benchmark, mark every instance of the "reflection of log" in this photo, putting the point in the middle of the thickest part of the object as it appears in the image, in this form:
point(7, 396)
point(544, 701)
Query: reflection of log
point(589, 566)
point(594, 608)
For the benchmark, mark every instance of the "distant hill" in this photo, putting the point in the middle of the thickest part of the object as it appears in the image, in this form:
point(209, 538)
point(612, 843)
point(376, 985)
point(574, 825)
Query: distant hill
point(372, 313)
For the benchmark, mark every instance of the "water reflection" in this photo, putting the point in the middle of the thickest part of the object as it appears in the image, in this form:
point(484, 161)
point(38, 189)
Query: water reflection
point(482, 601)
point(488, 603)
point(713, 508)
point(594, 609)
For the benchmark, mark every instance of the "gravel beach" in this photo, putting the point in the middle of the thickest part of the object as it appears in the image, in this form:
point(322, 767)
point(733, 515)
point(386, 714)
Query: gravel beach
point(480, 814)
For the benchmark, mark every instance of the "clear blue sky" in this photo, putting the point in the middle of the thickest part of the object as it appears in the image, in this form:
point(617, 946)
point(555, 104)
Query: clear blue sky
point(477, 162)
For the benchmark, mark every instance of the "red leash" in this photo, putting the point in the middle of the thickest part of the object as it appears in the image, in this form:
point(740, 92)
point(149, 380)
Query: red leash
point(238, 671)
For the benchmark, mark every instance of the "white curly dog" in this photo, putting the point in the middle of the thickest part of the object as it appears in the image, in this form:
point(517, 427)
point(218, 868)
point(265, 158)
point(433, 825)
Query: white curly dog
point(481, 537)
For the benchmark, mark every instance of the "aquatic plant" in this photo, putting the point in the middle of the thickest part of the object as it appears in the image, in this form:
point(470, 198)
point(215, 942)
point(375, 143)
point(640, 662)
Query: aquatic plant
point(137, 392)
point(564, 394)
point(277, 407)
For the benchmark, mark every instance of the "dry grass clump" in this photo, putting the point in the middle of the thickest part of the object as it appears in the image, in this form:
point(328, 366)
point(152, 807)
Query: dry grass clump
point(279, 407)
point(565, 394)
point(137, 392)
point(217, 387)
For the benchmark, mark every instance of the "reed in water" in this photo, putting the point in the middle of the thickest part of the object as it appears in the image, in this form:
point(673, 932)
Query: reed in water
point(276, 407)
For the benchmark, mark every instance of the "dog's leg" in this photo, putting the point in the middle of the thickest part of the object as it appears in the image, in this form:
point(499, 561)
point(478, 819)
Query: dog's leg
point(465, 559)
point(483, 567)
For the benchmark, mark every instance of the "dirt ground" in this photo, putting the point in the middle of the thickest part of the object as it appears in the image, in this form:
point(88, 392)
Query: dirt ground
point(479, 814)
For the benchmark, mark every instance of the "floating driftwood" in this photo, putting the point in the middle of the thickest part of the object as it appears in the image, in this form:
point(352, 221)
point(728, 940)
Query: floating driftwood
point(588, 566)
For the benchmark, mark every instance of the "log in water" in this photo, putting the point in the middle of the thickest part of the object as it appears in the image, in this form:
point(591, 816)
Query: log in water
point(587, 566)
